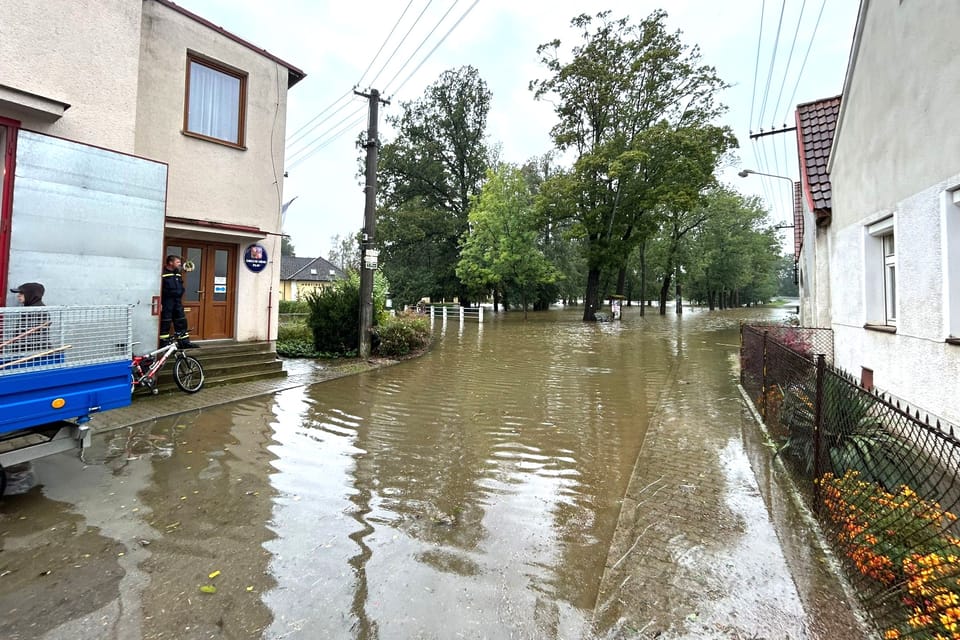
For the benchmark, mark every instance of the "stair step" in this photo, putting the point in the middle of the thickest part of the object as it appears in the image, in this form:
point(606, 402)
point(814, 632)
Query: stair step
point(216, 370)
point(167, 384)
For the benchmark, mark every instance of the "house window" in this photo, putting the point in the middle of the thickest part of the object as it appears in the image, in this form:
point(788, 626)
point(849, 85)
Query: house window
point(880, 274)
point(951, 269)
point(215, 101)
point(890, 278)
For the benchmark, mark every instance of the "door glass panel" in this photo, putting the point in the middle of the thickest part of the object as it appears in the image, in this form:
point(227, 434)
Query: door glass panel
point(191, 279)
point(172, 250)
point(220, 275)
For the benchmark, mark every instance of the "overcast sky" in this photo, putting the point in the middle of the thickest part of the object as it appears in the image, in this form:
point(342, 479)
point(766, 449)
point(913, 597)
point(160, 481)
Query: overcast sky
point(335, 41)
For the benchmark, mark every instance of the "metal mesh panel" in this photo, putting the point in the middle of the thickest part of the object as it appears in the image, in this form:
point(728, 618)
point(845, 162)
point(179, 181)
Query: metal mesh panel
point(43, 338)
point(884, 483)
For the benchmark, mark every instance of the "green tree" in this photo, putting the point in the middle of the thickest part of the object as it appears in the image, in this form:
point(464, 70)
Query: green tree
point(429, 173)
point(501, 250)
point(345, 252)
point(633, 103)
point(286, 247)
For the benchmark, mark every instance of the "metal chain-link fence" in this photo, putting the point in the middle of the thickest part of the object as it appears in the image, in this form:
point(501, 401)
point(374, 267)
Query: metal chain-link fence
point(884, 482)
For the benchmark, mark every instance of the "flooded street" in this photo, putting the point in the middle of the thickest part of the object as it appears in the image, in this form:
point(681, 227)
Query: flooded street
point(473, 492)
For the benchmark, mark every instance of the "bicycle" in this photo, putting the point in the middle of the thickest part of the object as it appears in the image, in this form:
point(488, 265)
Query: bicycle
point(187, 371)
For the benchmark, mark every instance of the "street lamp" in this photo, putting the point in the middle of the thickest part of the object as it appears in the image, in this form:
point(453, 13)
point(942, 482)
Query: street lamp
point(748, 172)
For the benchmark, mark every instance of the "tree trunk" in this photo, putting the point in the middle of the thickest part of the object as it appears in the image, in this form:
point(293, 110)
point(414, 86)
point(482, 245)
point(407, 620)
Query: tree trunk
point(496, 300)
point(664, 290)
point(591, 301)
point(621, 281)
point(643, 276)
point(711, 300)
point(679, 303)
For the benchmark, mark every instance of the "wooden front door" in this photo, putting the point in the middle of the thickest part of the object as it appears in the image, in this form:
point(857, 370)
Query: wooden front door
point(210, 284)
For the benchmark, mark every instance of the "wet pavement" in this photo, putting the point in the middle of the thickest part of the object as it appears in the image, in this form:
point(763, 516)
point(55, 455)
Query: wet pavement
point(523, 480)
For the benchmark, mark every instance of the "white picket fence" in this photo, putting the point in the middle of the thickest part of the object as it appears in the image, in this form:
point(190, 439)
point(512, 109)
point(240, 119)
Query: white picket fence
point(463, 313)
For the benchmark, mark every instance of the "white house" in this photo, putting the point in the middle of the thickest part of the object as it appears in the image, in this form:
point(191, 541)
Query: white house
point(885, 256)
point(131, 129)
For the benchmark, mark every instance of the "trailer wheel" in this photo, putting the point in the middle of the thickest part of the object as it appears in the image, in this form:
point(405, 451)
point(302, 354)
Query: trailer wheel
point(3, 481)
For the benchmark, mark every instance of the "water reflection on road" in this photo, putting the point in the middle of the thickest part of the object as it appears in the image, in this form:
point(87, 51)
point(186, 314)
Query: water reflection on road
point(470, 493)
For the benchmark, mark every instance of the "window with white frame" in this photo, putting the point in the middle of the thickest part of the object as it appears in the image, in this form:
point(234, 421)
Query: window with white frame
point(951, 268)
point(215, 102)
point(889, 278)
point(880, 273)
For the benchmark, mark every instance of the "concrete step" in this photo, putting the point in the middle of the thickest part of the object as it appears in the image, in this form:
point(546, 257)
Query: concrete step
point(226, 362)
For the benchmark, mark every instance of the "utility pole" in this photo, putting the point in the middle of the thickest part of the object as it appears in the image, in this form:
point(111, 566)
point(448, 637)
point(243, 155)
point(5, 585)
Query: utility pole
point(368, 252)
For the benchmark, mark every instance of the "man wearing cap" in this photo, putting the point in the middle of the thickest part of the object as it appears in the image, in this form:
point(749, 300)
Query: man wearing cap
point(171, 305)
point(34, 327)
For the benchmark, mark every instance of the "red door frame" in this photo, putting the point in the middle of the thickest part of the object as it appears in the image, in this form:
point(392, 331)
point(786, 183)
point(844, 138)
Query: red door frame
point(9, 157)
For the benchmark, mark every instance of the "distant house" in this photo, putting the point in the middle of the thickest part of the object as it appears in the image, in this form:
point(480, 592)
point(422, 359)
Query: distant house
point(298, 276)
point(816, 123)
point(885, 255)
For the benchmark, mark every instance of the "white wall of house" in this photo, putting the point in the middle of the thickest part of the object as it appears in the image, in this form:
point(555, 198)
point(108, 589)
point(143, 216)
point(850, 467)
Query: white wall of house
point(814, 273)
point(211, 181)
point(895, 160)
point(85, 54)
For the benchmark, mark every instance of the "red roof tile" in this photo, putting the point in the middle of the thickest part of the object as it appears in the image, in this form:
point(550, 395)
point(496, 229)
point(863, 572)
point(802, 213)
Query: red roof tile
point(816, 123)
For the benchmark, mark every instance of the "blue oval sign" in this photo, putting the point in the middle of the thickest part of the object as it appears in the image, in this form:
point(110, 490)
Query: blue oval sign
point(255, 257)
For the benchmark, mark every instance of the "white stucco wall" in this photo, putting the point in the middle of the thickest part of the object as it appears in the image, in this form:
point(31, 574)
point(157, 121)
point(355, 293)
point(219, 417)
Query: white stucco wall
point(915, 363)
point(81, 52)
point(897, 132)
point(895, 153)
point(815, 266)
point(210, 181)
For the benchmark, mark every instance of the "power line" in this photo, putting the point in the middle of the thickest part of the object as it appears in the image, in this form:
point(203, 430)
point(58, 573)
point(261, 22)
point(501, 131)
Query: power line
point(455, 25)
point(773, 59)
point(317, 125)
point(321, 136)
point(807, 54)
point(331, 106)
point(328, 142)
point(786, 69)
point(349, 92)
point(386, 40)
point(756, 65)
point(422, 42)
point(404, 39)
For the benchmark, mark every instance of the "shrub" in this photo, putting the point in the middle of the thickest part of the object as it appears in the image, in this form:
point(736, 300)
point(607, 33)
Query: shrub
point(335, 314)
point(403, 334)
point(294, 306)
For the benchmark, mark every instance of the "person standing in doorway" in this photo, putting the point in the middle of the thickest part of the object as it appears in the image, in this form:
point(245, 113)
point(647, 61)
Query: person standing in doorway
point(171, 305)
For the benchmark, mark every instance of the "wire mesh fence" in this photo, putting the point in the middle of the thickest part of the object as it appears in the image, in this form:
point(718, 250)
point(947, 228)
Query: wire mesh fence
point(41, 338)
point(884, 482)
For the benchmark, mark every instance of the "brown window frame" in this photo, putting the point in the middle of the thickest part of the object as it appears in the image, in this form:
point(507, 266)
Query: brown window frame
point(196, 58)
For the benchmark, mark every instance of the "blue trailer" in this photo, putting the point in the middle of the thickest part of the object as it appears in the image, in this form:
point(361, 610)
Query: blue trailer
point(59, 366)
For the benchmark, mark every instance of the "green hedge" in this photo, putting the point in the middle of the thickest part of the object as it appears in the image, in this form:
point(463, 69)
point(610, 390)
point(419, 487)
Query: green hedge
point(294, 306)
point(403, 334)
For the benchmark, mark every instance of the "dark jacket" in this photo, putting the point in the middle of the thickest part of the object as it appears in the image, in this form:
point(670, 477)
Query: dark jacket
point(39, 339)
point(171, 289)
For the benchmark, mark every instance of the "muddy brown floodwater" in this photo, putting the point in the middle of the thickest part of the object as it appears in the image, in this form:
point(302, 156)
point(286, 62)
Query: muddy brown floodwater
point(472, 492)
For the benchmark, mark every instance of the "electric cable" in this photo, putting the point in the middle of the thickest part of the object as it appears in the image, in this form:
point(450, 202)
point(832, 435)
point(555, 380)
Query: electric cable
point(436, 46)
point(293, 156)
point(422, 42)
point(385, 41)
point(331, 106)
point(329, 141)
point(756, 66)
point(786, 69)
point(402, 40)
point(807, 54)
point(773, 59)
point(303, 135)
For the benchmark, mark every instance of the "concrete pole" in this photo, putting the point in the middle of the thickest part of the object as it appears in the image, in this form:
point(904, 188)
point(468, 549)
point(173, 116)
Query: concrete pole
point(480, 314)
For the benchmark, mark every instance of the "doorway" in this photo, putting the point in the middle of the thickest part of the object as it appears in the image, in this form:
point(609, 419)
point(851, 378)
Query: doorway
point(209, 282)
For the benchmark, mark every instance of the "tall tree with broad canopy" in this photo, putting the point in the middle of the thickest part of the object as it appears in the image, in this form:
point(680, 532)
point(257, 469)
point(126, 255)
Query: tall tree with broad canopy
point(631, 102)
point(502, 250)
point(428, 175)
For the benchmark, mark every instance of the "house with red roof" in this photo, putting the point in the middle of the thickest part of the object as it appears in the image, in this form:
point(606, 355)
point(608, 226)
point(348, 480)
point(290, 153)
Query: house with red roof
point(880, 255)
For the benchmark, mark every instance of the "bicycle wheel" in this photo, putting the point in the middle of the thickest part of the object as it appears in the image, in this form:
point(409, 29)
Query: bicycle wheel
point(188, 374)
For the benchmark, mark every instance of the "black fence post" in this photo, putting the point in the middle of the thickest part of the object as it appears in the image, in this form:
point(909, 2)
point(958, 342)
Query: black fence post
point(763, 380)
point(818, 432)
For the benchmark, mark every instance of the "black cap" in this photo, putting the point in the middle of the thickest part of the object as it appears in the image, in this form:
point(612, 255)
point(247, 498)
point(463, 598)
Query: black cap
point(36, 286)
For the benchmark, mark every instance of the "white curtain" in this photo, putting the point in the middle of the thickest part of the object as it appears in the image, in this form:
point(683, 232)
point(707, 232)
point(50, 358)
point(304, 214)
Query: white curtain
point(214, 103)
